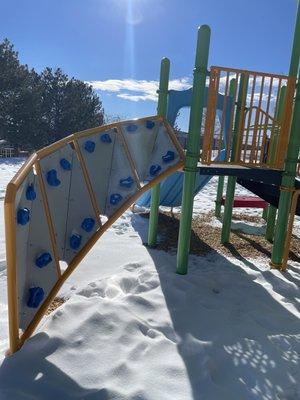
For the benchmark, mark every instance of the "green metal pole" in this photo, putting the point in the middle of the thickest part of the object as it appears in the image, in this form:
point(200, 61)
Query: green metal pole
point(265, 213)
point(272, 211)
point(222, 178)
point(288, 180)
point(225, 235)
point(219, 196)
point(193, 144)
point(271, 220)
point(161, 110)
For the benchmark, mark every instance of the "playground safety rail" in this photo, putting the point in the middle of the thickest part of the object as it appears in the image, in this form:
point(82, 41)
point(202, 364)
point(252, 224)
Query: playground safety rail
point(258, 135)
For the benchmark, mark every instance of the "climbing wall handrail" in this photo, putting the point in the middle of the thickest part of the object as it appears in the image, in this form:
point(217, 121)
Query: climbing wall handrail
point(261, 140)
point(146, 149)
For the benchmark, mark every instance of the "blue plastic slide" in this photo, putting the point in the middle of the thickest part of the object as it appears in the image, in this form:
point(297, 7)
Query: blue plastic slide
point(171, 188)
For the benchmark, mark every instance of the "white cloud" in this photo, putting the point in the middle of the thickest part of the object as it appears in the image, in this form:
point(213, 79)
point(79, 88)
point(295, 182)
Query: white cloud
point(132, 97)
point(145, 90)
point(136, 90)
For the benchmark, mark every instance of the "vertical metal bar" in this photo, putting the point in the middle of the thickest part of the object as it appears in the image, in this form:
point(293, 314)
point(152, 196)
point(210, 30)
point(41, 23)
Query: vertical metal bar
point(272, 211)
point(265, 213)
point(219, 196)
point(232, 91)
point(288, 180)
point(284, 136)
point(255, 142)
point(265, 130)
point(240, 115)
point(213, 122)
point(259, 139)
point(161, 110)
point(250, 116)
point(210, 116)
point(276, 124)
point(226, 226)
point(224, 108)
point(190, 170)
point(287, 243)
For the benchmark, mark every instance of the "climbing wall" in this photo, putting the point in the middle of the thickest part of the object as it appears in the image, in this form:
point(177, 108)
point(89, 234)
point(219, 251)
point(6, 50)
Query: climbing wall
point(36, 270)
point(160, 151)
point(67, 188)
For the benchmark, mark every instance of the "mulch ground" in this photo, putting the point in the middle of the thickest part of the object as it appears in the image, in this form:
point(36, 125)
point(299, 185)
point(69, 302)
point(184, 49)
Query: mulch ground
point(57, 302)
point(205, 237)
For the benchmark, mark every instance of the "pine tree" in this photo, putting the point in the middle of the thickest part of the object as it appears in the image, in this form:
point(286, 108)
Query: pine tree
point(68, 105)
point(38, 109)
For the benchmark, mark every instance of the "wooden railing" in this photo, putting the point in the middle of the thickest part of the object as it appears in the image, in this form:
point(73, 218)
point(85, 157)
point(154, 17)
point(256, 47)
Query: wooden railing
point(258, 123)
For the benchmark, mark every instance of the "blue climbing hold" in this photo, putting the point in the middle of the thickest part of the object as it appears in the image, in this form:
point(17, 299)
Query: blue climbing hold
point(23, 216)
point(52, 178)
point(30, 193)
point(43, 260)
point(169, 156)
point(36, 295)
point(154, 169)
point(150, 124)
point(126, 182)
point(115, 198)
point(131, 128)
point(89, 146)
point(105, 138)
point(75, 241)
point(88, 224)
point(65, 164)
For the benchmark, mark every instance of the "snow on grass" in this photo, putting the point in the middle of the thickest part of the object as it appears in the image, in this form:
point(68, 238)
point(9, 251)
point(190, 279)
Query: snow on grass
point(133, 329)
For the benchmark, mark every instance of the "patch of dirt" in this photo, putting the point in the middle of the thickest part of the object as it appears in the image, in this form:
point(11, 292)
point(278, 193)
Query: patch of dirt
point(57, 302)
point(205, 237)
point(247, 218)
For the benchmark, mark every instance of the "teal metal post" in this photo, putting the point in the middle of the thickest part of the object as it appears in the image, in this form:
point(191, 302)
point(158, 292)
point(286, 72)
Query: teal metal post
point(288, 180)
point(161, 110)
point(222, 178)
point(225, 235)
point(219, 196)
point(193, 144)
point(272, 211)
point(265, 213)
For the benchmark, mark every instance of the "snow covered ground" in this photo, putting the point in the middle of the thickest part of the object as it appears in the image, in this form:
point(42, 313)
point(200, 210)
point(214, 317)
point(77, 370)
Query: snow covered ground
point(133, 329)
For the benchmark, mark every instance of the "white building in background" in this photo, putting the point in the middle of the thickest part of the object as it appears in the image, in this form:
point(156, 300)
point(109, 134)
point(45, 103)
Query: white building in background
point(7, 150)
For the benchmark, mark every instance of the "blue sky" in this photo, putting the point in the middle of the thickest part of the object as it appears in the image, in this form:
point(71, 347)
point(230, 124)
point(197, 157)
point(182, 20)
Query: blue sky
point(118, 44)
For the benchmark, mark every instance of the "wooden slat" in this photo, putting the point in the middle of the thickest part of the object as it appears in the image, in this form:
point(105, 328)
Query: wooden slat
point(87, 181)
point(48, 216)
point(11, 262)
point(129, 157)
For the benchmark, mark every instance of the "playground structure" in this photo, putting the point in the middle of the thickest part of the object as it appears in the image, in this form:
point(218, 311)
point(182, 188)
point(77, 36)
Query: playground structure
point(262, 152)
point(59, 204)
point(171, 188)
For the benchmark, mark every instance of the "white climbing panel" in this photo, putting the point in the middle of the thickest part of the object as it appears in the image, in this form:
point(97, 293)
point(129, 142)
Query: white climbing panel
point(58, 203)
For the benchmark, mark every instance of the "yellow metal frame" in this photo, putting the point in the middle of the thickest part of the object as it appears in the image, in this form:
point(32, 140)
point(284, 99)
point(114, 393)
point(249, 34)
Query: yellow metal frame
point(17, 340)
